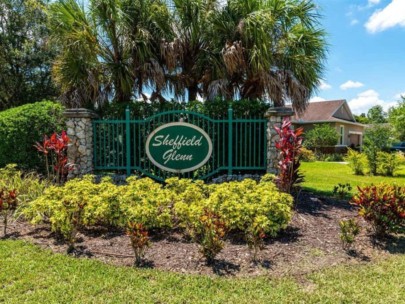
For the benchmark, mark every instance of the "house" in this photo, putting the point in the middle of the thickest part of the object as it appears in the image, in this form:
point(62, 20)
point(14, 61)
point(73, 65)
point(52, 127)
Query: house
point(338, 115)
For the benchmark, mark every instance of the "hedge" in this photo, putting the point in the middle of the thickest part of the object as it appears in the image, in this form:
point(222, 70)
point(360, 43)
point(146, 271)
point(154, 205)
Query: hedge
point(22, 126)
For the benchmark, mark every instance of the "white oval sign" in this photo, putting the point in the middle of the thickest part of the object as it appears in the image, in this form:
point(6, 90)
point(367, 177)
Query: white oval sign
point(178, 147)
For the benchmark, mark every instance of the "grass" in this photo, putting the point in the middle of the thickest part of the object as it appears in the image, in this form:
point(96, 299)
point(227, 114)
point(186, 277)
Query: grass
point(32, 275)
point(321, 177)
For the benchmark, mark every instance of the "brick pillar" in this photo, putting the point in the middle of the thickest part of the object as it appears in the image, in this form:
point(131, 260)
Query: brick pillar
point(80, 131)
point(275, 117)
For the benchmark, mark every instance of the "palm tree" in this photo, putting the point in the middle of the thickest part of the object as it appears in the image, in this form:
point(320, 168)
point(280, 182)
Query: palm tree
point(270, 49)
point(108, 51)
point(188, 57)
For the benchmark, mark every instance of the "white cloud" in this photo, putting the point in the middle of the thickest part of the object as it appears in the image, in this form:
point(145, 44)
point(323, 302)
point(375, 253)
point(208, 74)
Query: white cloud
point(351, 85)
point(323, 85)
point(392, 15)
point(373, 2)
point(367, 99)
point(354, 22)
point(316, 98)
point(398, 96)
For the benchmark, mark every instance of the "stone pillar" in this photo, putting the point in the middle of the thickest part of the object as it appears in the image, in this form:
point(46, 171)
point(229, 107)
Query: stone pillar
point(80, 131)
point(275, 117)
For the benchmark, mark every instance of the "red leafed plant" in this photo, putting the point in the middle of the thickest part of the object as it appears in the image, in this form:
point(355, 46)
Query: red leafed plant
point(289, 146)
point(383, 206)
point(55, 149)
point(8, 203)
point(139, 237)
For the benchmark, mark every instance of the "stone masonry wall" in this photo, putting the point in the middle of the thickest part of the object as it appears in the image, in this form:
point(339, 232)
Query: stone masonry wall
point(275, 117)
point(80, 131)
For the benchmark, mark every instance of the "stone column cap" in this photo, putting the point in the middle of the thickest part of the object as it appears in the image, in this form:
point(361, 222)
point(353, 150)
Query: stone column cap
point(79, 113)
point(279, 112)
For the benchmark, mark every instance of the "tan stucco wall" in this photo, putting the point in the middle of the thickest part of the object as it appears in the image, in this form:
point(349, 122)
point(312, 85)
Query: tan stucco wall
point(348, 140)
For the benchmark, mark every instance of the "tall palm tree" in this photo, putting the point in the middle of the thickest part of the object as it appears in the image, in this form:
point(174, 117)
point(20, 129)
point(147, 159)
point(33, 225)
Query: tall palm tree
point(108, 51)
point(270, 49)
point(188, 56)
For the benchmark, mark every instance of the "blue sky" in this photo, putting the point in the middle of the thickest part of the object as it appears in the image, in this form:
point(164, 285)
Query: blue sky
point(366, 60)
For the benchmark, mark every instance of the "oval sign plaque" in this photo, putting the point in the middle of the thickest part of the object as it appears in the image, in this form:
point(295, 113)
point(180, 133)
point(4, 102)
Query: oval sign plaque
point(178, 147)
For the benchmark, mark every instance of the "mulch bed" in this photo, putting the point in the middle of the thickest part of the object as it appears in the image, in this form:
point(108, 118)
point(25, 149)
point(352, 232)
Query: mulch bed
point(310, 242)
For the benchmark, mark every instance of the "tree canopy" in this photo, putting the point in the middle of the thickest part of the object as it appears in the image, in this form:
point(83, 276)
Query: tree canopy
point(322, 135)
point(376, 115)
point(121, 49)
point(396, 117)
point(25, 54)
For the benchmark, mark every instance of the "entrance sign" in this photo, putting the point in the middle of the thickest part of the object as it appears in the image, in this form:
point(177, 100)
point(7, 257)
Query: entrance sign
point(178, 147)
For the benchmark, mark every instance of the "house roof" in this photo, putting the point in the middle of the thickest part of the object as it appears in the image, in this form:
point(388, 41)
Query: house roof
point(326, 111)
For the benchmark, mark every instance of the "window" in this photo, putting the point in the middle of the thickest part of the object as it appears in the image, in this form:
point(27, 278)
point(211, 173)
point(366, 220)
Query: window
point(342, 135)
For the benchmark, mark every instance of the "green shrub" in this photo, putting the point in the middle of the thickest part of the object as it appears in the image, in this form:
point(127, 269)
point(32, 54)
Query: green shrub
point(388, 163)
point(357, 161)
point(255, 209)
point(28, 185)
point(206, 212)
point(321, 136)
point(342, 190)
point(68, 208)
point(307, 155)
point(349, 229)
point(334, 157)
point(383, 206)
point(376, 139)
point(21, 127)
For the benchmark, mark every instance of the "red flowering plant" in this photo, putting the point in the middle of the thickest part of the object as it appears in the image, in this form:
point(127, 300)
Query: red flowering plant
point(383, 206)
point(54, 149)
point(8, 204)
point(289, 146)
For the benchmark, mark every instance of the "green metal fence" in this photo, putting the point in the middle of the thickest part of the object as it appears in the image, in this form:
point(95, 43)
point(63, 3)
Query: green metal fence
point(239, 144)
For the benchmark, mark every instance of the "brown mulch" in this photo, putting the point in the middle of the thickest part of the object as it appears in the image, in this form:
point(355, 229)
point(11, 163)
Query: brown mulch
point(310, 242)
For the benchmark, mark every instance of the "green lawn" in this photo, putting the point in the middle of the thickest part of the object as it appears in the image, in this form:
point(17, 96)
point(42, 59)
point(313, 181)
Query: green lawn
point(31, 275)
point(323, 176)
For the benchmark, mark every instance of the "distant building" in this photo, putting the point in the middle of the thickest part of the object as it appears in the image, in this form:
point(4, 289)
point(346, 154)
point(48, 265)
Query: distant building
point(338, 115)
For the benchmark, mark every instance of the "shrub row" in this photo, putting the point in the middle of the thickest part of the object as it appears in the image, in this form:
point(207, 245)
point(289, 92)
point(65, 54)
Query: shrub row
point(204, 212)
point(386, 163)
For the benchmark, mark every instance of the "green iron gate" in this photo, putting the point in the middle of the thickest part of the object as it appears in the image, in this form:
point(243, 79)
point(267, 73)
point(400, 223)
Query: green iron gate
point(238, 144)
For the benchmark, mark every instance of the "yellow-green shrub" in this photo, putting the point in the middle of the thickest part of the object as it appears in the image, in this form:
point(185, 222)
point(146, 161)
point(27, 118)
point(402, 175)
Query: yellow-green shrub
point(28, 186)
point(255, 209)
point(357, 161)
point(144, 201)
point(388, 163)
point(67, 207)
point(307, 155)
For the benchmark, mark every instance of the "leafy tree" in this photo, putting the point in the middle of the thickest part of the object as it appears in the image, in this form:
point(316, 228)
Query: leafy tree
point(25, 54)
point(376, 138)
point(362, 118)
point(321, 136)
point(271, 49)
point(396, 117)
point(377, 115)
point(188, 55)
point(108, 51)
point(241, 49)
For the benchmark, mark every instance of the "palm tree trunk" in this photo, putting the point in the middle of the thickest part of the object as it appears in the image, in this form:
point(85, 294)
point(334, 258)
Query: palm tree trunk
point(192, 93)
